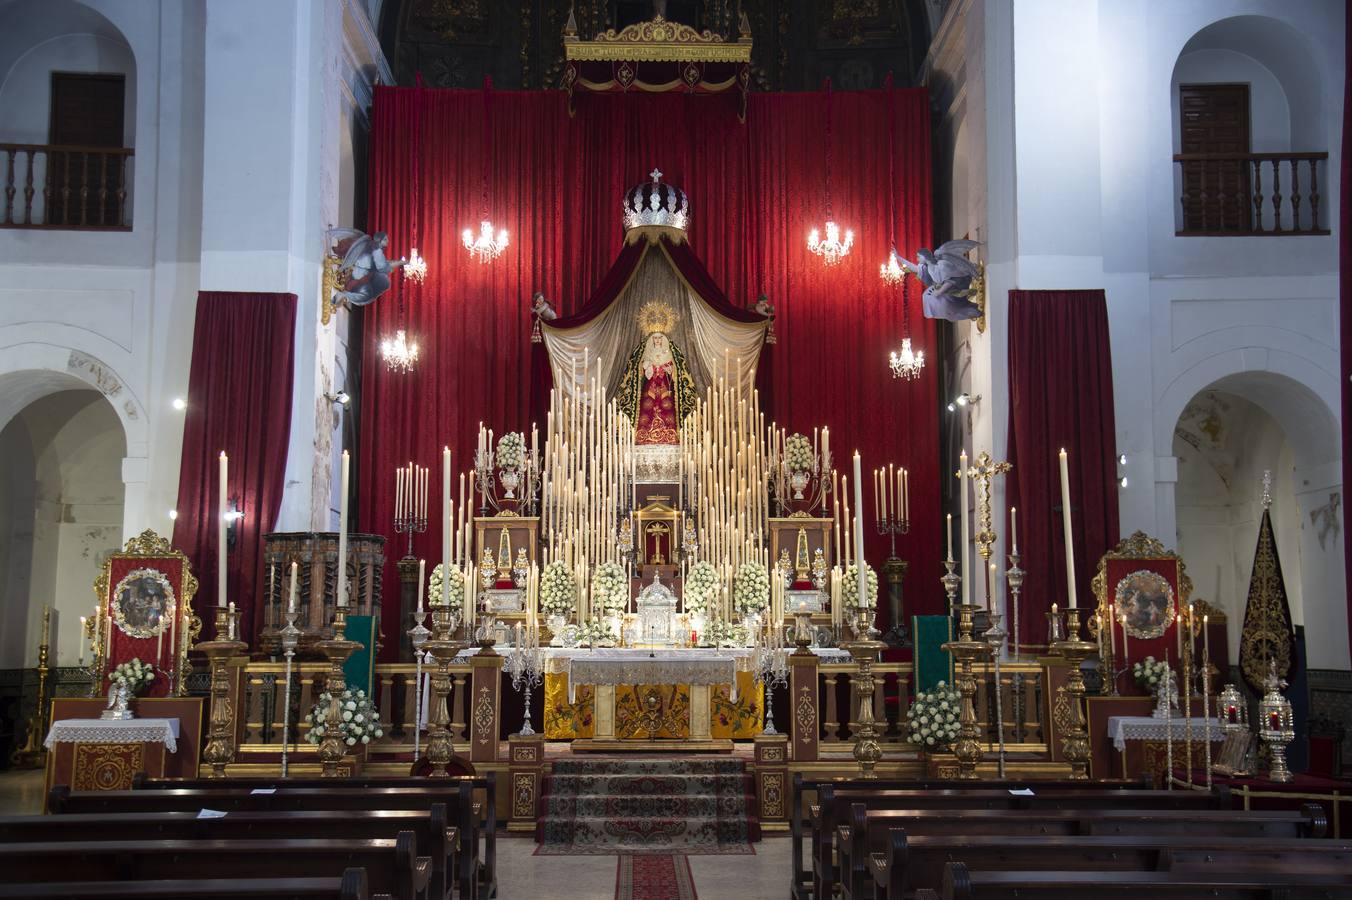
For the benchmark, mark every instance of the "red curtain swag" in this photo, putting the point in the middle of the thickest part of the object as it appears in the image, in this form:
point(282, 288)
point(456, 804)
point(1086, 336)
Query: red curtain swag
point(1060, 396)
point(239, 401)
point(556, 183)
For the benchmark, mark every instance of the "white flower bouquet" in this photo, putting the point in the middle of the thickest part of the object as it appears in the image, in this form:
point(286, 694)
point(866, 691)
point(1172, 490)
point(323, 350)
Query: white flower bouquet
point(933, 718)
point(597, 633)
point(798, 456)
point(610, 588)
point(361, 722)
point(454, 588)
point(558, 590)
point(701, 587)
point(1148, 673)
point(849, 587)
point(511, 451)
point(722, 634)
point(751, 588)
point(133, 674)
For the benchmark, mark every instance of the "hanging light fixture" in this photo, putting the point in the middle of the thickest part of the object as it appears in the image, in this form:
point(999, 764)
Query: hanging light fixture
point(909, 362)
point(832, 249)
point(400, 353)
point(487, 245)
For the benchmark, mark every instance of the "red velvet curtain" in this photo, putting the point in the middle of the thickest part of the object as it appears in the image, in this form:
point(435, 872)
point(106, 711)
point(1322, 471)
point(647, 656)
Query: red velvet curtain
point(239, 401)
point(556, 182)
point(1060, 396)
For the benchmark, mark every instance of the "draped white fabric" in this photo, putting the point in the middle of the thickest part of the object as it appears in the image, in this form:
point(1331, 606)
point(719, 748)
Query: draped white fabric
point(601, 347)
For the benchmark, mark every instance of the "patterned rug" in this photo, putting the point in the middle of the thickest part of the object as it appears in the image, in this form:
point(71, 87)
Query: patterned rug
point(644, 805)
point(650, 877)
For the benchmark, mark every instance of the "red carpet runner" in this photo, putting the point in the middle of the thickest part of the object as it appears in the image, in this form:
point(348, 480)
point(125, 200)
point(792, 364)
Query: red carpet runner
point(654, 877)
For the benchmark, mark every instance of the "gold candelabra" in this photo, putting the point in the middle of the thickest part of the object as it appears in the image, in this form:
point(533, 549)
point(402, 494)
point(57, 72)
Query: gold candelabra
point(983, 471)
point(443, 649)
point(33, 755)
point(967, 748)
point(220, 749)
point(1075, 744)
point(867, 750)
point(337, 649)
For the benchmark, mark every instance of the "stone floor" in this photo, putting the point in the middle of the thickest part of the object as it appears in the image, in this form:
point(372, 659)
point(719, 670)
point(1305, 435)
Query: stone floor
point(522, 874)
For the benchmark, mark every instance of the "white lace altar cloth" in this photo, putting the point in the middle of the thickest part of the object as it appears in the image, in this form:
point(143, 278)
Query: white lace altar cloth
point(1148, 728)
point(114, 731)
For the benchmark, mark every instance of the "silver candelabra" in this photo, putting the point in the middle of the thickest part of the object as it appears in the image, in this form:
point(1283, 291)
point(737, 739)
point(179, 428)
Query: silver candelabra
point(1015, 577)
point(290, 636)
point(418, 634)
point(772, 670)
point(995, 636)
point(525, 665)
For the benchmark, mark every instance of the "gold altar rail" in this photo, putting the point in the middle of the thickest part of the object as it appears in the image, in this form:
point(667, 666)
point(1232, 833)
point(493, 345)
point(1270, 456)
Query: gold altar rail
point(839, 694)
point(393, 689)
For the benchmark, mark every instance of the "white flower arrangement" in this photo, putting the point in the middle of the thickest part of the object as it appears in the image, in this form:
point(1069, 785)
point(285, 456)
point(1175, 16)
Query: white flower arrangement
point(511, 451)
point(132, 674)
point(849, 587)
point(701, 587)
point(455, 590)
point(610, 588)
point(723, 634)
point(798, 455)
point(361, 722)
point(1148, 673)
point(597, 633)
point(558, 590)
point(751, 588)
point(933, 718)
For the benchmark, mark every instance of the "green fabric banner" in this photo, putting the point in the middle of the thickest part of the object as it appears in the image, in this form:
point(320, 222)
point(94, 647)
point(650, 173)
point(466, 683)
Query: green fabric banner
point(360, 667)
point(932, 663)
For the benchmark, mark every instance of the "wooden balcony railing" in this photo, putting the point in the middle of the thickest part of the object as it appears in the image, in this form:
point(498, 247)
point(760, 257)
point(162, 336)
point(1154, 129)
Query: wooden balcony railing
point(66, 187)
point(1246, 194)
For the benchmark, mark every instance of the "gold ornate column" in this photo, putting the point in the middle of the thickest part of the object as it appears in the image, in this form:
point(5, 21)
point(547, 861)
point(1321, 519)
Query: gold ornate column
point(1075, 744)
point(440, 745)
point(967, 748)
point(220, 748)
point(331, 748)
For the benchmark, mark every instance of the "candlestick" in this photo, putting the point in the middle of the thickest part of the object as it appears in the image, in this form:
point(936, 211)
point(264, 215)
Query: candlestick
point(862, 601)
point(221, 525)
point(422, 580)
point(949, 529)
point(342, 532)
point(1066, 529)
point(291, 601)
point(1126, 650)
point(964, 548)
point(1014, 530)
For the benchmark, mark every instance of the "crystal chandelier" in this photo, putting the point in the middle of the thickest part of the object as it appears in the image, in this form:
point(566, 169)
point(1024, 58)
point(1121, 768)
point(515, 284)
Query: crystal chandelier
point(891, 272)
point(486, 247)
point(399, 352)
point(416, 267)
point(832, 250)
point(908, 363)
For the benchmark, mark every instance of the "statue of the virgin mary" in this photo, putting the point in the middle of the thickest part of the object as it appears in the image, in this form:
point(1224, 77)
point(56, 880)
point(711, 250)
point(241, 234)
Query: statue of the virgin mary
point(657, 391)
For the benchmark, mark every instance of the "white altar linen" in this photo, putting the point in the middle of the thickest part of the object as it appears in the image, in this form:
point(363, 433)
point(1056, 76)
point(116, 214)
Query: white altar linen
point(114, 731)
point(1148, 728)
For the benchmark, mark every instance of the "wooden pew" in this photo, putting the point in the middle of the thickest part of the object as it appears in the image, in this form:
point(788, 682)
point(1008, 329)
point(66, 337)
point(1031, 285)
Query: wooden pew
point(487, 783)
point(802, 875)
point(431, 830)
point(908, 863)
point(834, 804)
point(392, 866)
point(476, 878)
point(350, 886)
point(960, 883)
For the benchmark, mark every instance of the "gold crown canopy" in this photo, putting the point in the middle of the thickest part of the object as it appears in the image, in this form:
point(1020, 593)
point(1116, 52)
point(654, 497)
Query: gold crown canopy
point(655, 316)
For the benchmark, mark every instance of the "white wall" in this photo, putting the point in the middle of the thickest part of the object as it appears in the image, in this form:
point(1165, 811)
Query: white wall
point(26, 91)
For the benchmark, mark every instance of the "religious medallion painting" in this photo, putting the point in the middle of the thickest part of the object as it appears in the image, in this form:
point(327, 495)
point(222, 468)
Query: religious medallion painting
point(144, 612)
point(1145, 601)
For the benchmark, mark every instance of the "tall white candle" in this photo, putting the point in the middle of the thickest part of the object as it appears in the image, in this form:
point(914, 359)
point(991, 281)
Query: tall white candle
point(862, 582)
point(966, 529)
point(1126, 650)
point(342, 531)
point(422, 580)
point(295, 576)
point(949, 529)
point(1112, 629)
point(1014, 530)
point(1065, 527)
point(221, 526)
point(447, 519)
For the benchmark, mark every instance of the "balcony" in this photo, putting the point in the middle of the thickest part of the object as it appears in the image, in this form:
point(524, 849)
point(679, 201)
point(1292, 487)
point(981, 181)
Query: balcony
point(66, 187)
point(1248, 194)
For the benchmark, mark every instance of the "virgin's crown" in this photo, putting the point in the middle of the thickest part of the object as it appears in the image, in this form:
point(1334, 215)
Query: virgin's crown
point(656, 204)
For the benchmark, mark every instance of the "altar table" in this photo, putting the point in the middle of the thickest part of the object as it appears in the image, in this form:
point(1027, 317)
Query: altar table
point(1142, 743)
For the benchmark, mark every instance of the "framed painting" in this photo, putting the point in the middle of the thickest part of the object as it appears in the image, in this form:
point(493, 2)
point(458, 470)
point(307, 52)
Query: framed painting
point(1147, 586)
point(144, 612)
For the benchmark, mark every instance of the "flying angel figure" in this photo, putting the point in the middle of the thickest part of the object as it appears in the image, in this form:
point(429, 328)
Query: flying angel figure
point(365, 270)
point(947, 275)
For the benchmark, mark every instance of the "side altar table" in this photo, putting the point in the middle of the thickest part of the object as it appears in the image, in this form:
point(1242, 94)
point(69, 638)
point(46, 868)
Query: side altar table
point(1140, 742)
